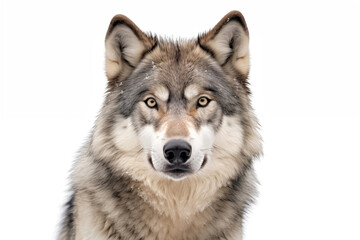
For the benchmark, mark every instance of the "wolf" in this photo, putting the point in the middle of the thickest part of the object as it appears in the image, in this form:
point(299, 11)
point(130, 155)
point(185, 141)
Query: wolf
point(171, 153)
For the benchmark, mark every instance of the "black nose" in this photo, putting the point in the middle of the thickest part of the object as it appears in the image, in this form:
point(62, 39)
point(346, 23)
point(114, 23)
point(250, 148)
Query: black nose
point(177, 151)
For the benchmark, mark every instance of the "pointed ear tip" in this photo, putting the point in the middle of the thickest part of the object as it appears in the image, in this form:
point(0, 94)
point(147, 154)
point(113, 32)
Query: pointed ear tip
point(119, 17)
point(230, 16)
point(236, 15)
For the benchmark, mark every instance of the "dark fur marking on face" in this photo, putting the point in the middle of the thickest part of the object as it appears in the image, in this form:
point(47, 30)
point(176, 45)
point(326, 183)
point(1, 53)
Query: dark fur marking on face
point(224, 94)
point(169, 97)
point(215, 119)
point(136, 86)
point(143, 120)
point(157, 124)
point(209, 89)
point(197, 123)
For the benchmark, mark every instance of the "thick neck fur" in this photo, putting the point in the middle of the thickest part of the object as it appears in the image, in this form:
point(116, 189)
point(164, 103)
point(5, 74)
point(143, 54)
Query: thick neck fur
point(167, 207)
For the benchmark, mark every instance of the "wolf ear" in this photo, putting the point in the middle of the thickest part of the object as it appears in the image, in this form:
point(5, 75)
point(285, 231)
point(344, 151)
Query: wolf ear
point(125, 45)
point(228, 42)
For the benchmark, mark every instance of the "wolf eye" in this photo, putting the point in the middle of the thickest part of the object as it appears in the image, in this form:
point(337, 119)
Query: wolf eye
point(203, 102)
point(151, 102)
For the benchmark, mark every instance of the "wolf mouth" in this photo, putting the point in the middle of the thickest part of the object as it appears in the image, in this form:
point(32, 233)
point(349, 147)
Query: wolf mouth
point(178, 173)
point(178, 169)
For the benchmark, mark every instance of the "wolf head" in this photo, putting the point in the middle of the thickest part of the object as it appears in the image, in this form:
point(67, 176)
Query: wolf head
point(177, 110)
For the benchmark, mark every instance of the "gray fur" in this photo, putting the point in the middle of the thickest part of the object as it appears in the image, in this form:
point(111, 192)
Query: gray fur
point(108, 202)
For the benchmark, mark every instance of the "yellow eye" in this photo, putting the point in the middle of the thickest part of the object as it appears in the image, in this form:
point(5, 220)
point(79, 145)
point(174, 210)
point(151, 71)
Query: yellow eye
point(203, 101)
point(151, 102)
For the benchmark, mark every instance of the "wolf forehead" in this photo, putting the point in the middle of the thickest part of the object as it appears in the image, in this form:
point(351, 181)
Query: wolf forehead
point(177, 72)
point(217, 61)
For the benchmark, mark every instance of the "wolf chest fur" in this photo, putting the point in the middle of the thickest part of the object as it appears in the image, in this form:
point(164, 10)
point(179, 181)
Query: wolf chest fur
point(171, 152)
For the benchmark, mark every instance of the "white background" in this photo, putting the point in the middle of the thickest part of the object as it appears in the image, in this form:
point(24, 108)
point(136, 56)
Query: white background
point(304, 76)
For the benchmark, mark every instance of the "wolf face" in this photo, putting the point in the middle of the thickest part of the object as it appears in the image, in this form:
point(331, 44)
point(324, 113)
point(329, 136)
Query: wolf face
point(170, 156)
point(177, 110)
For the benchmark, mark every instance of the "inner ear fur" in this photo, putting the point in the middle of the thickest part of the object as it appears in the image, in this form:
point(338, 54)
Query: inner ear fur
point(228, 42)
point(125, 45)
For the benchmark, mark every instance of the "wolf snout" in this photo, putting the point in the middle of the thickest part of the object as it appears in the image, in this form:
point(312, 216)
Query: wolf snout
point(177, 151)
